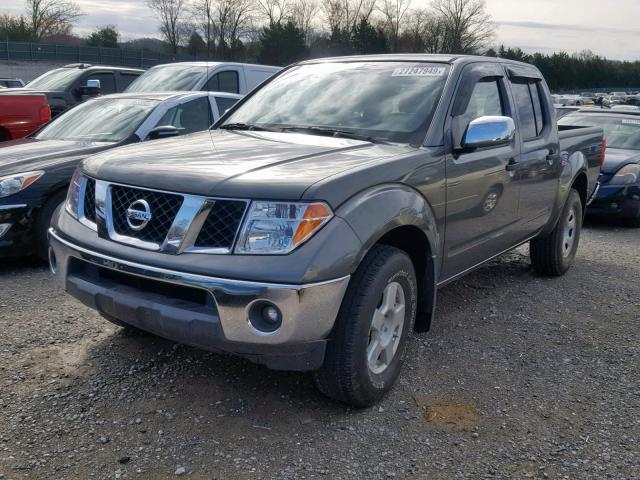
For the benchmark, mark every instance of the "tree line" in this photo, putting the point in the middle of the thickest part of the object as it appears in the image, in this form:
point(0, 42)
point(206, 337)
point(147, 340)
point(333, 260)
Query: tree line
point(279, 32)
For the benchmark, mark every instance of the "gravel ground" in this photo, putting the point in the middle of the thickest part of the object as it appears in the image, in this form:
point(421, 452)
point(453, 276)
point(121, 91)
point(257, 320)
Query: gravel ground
point(520, 377)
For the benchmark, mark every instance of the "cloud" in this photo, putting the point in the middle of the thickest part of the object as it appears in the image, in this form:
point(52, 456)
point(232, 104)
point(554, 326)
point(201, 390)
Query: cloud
point(569, 27)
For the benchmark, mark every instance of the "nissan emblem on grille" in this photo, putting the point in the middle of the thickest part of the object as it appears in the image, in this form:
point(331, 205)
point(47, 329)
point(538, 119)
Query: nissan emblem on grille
point(138, 215)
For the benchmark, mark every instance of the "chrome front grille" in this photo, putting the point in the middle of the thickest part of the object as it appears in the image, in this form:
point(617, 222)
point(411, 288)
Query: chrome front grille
point(178, 223)
point(164, 208)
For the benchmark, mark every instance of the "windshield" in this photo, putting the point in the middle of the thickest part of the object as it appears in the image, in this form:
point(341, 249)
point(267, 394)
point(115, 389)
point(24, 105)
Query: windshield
point(102, 120)
point(621, 132)
point(167, 78)
point(59, 79)
point(391, 101)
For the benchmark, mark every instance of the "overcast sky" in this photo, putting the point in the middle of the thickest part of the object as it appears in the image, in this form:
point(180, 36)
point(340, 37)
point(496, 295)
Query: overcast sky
point(610, 28)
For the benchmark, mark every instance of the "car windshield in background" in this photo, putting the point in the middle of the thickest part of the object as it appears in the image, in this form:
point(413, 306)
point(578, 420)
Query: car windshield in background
point(391, 101)
point(167, 79)
point(101, 120)
point(620, 132)
point(55, 79)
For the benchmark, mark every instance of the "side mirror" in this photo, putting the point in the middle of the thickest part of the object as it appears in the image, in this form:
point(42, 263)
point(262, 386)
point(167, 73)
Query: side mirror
point(164, 131)
point(489, 132)
point(91, 89)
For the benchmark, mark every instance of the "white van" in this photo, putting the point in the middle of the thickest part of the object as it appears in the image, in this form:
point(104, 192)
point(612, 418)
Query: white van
point(238, 78)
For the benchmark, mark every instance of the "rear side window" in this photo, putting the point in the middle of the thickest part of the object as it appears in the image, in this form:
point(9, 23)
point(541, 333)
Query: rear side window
point(107, 82)
point(225, 104)
point(189, 117)
point(530, 107)
point(485, 101)
point(226, 81)
point(126, 79)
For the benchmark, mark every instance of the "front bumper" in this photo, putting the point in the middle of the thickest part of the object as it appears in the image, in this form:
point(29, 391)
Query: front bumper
point(16, 229)
point(621, 201)
point(207, 312)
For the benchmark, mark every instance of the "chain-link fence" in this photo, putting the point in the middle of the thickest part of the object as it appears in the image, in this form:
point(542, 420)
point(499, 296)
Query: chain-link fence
point(128, 57)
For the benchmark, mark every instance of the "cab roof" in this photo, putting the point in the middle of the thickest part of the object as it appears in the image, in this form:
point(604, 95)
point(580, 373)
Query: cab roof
point(418, 57)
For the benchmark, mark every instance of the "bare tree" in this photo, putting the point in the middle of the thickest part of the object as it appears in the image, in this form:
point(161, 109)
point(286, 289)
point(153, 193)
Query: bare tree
point(393, 12)
point(303, 15)
point(171, 14)
point(233, 18)
point(203, 15)
point(468, 27)
point(423, 32)
point(51, 17)
point(344, 14)
point(275, 10)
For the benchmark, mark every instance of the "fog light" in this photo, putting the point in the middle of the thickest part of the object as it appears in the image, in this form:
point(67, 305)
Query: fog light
point(265, 316)
point(4, 228)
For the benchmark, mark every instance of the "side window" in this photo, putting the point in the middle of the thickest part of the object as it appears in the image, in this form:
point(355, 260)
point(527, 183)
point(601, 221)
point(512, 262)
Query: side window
point(225, 104)
point(226, 81)
point(189, 117)
point(485, 100)
point(536, 97)
point(107, 82)
point(126, 79)
point(525, 106)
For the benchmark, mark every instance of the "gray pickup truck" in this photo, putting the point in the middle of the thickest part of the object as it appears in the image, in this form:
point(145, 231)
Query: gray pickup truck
point(311, 227)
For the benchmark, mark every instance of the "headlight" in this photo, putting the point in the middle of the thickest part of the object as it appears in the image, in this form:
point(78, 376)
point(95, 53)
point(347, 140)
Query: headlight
point(626, 175)
point(12, 184)
point(279, 227)
point(73, 194)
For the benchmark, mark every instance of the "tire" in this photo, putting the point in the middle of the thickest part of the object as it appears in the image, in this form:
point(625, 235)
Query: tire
point(633, 222)
point(43, 222)
point(553, 255)
point(385, 277)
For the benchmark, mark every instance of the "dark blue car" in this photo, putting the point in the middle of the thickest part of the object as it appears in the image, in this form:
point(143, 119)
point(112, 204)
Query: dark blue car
point(619, 194)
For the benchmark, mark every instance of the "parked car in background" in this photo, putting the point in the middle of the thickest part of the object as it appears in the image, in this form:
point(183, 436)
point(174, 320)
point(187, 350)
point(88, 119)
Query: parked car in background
point(615, 100)
point(22, 114)
point(74, 83)
point(313, 226)
point(35, 172)
point(619, 192)
point(238, 78)
point(11, 83)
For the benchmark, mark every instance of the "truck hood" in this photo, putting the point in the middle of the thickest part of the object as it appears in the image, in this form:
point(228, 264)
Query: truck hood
point(244, 164)
point(24, 91)
point(615, 158)
point(31, 154)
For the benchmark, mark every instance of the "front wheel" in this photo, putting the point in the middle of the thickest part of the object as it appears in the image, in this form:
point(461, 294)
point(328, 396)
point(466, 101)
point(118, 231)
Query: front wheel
point(366, 351)
point(554, 254)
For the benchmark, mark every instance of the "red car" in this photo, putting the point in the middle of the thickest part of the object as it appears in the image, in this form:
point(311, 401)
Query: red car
point(21, 114)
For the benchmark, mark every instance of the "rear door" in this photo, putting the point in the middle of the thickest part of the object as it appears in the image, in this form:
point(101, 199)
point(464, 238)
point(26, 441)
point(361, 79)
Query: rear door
point(482, 197)
point(538, 167)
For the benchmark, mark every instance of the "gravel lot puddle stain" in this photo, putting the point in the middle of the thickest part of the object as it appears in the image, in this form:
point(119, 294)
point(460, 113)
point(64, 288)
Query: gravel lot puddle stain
point(455, 416)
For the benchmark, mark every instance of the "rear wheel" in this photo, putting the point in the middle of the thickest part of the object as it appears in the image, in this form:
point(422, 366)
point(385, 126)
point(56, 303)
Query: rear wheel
point(554, 254)
point(366, 351)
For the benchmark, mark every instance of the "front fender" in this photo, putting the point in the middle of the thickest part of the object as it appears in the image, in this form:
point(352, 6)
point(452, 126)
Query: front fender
point(376, 211)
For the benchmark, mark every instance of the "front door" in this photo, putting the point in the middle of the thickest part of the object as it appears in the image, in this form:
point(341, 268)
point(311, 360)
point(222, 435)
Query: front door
point(482, 197)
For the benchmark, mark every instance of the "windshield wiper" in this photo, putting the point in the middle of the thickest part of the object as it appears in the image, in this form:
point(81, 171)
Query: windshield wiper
point(245, 126)
point(333, 132)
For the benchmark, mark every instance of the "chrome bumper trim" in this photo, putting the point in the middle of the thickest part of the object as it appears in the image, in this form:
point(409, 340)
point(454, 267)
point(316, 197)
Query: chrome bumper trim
point(12, 207)
point(594, 194)
point(309, 310)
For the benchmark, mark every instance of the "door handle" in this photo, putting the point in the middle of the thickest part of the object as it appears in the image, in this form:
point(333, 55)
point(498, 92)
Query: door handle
point(512, 165)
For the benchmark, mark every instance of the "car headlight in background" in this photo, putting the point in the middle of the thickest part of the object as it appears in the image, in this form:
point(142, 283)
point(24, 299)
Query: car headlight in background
point(626, 175)
point(12, 184)
point(73, 194)
point(279, 227)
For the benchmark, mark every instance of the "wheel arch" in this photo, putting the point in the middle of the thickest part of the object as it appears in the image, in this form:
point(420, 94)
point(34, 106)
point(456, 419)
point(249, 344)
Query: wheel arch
point(399, 216)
